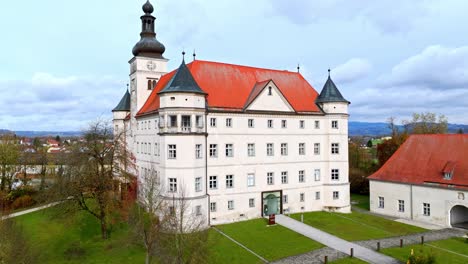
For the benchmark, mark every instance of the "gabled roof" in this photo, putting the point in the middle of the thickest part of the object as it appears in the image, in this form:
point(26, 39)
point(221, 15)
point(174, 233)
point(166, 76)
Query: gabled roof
point(256, 90)
point(182, 82)
point(425, 158)
point(228, 86)
point(330, 93)
point(124, 104)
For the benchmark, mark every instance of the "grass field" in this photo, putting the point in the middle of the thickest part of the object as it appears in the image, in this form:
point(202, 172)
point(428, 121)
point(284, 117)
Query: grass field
point(347, 260)
point(77, 240)
point(442, 256)
point(272, 242)
point(361, 201)
point(356, 226)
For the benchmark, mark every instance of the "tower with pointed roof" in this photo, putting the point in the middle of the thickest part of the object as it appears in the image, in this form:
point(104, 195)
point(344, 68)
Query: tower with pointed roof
point(120, 113)
point(330, 99)
point(148, 64)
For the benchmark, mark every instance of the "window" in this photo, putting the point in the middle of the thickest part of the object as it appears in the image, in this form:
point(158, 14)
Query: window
point(269, 90)
point(301, 176)
point(171, 210)
point(228, 122)
point(335, 174)
point(229, 181)
point(283, 124)
point(317, 124)
point(213, 182)
point(229, 150)
point(186, 123)
point(284, 177)
point(231, 205)
point(173, 121)
point(335, 148)
point(334, 124)
point(251, 202)
point(251, 123)
point(213, 122)
point(401, 205)
point(213, 207)
point(250, 180)
point(285, 198)
point(172, 151)
point(336, 195)
point(301, 124)
point(317, 148)
point(198, 210)
point(251, 150)
point(270, 178)
point(269, 149)
point(172, 185)
point(447, 175)
point(199, 121)
point(317, 174)
point(198, 151)
point(213, 150)
point(317, 195)
point(284, 149)
point(427, 209)
point(381, 202)
point(138, 147)
point(198, 184)
point(156, 151)
point(301, 197)
point(301, 148)
point(270, 123)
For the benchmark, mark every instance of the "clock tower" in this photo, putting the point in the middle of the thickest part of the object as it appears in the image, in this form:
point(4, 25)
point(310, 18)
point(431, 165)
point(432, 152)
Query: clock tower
point(148, 64)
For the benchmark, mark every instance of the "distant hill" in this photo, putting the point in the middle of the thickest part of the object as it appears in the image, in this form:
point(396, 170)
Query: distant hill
point(48, 133)
point(381, 129)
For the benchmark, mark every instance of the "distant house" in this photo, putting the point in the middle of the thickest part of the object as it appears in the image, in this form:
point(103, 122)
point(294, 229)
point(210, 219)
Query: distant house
point(425, 180)
point(52, 143)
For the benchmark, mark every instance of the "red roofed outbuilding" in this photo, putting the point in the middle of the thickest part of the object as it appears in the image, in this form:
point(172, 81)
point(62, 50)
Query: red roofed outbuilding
point(426, 180)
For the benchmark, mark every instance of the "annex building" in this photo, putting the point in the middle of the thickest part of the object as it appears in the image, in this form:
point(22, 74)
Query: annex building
point(240, 142)
point(425, 180)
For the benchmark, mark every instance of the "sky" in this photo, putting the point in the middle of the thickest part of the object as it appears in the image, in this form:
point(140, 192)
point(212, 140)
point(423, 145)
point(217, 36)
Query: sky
point(65, 63)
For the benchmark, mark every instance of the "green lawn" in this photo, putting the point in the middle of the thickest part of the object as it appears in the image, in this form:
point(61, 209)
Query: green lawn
point(361, 201)
point(457, 245)
point(347, 260)
point(273, 242)
point(226, 251)
point(356, 226)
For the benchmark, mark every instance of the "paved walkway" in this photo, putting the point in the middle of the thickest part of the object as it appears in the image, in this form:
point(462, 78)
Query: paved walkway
point(334, 242)
point(29, 211)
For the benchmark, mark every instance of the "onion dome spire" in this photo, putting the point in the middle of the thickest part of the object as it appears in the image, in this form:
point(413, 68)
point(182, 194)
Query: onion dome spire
point(148, 45)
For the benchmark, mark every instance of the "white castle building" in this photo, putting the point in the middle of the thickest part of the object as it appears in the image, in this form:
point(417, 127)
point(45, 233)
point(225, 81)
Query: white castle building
point(241, 142)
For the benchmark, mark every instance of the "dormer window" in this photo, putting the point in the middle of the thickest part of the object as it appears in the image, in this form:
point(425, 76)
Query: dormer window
point(269, 90)
point(447, 176)
point(448, 170)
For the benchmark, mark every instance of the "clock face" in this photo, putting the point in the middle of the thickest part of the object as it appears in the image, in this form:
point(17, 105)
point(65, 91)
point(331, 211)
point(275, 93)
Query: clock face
point(151, 65)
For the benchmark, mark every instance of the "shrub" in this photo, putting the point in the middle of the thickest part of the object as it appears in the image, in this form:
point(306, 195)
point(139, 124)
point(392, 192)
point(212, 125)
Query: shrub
point(22, 202)
point(421, 258)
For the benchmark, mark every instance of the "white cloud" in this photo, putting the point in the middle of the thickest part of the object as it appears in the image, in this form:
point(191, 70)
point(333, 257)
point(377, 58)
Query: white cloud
point(352, 70)
point(436, 67)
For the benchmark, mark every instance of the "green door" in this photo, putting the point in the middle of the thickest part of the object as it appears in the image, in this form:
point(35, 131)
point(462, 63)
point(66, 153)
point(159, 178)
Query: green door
point(271, 205)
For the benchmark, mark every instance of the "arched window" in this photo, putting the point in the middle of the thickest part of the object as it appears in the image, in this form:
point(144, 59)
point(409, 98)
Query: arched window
point(149, 85)
point(154, 83)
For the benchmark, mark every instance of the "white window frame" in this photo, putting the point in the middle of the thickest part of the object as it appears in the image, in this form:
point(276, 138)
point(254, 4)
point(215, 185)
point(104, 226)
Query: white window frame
point(229, 181)
point(301, 124)
point(401, 206)
point(270, 178)
point(251, 202)
point(198, 151)
point(212, 207)
point(270, 147)
point(231, 205)
point(251, 149)
point(284, 149)
point(317, 174)
point(317, 124)
point(301, 176)
point(172, 151)
point(317, 195)
point(335, 148)
point(284, 177)
point(213, 182)
point(426, 209)
point(228, 122)
point(198, 210)
point(229, 150)
point(336, 195)
point(250, 123)
point(270, 123)
point(172, 185)
point(316, 148)
point(285, 198)
point(212, 121)
point(301, 197)
point(250, 180)
point(198, 184)
point(284, 123)
point(301, 148)
point(335, 174)
point(381, 202)
point(334, 124)
point(213, 150)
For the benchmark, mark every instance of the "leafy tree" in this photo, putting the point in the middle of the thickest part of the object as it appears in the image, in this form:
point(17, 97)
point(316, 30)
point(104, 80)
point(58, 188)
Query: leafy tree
point(9, 156)
point(58, 139)
point(89, 180)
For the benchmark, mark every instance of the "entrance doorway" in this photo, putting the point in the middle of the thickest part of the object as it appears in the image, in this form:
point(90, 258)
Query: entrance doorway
point(459, 216)
point(271, 203)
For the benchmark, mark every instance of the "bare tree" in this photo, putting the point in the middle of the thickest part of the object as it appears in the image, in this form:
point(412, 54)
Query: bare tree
point(91, 179)
point(427, 123)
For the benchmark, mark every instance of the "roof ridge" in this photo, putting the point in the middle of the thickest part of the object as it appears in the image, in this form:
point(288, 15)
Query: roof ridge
point(245, 66)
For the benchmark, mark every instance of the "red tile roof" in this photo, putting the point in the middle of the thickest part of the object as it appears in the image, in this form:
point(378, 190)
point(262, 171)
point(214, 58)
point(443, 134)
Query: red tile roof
point(228, 86)
point(425, 158)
